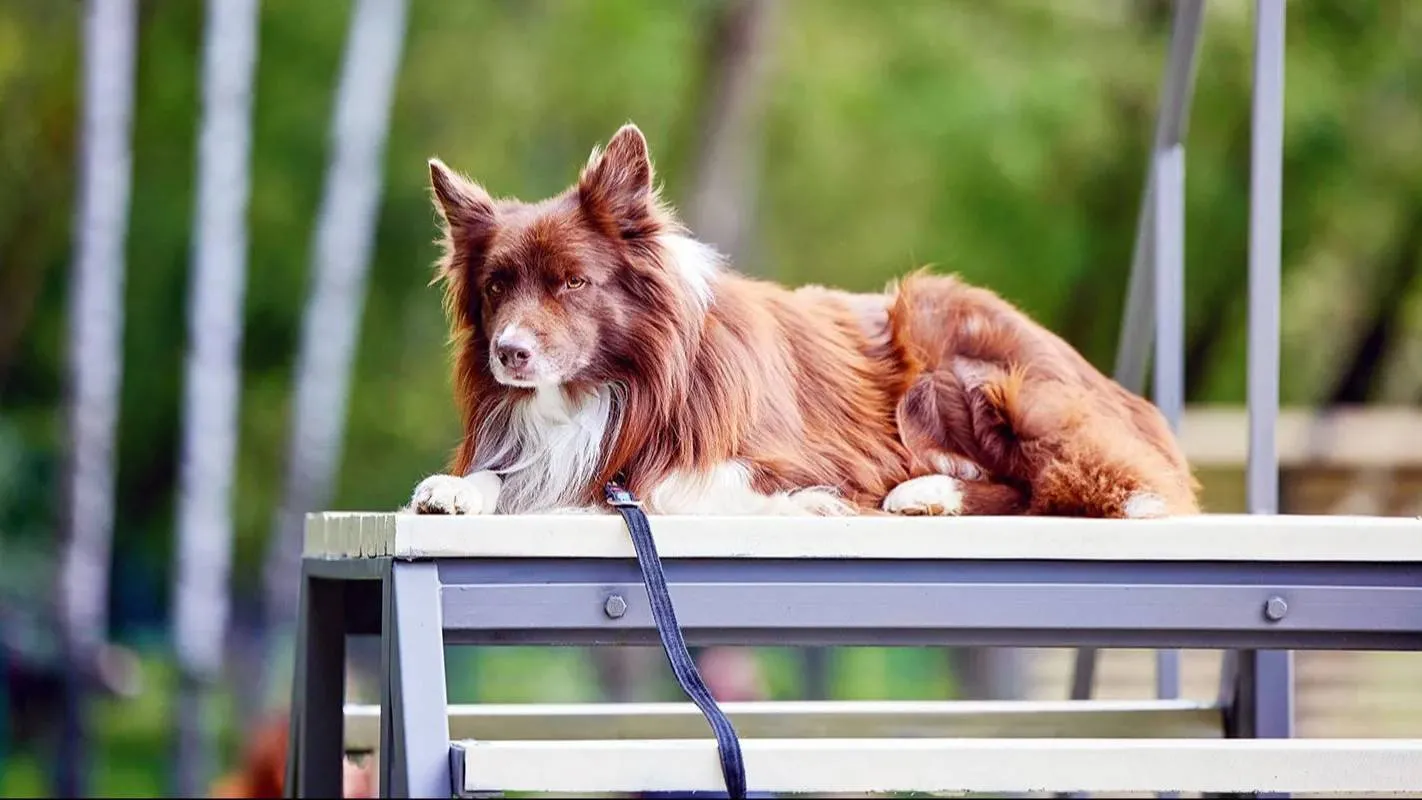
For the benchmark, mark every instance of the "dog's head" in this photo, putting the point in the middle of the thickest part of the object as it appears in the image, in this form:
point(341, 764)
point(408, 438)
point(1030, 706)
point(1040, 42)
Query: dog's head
point(559, 291)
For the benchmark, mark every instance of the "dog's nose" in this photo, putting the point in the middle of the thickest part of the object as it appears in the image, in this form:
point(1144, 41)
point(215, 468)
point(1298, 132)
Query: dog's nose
point(512, 355)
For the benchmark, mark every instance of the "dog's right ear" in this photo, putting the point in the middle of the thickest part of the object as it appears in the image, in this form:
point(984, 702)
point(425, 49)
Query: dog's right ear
point(467, 209)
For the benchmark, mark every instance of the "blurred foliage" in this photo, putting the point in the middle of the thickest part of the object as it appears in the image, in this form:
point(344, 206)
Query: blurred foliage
point(1005, 141)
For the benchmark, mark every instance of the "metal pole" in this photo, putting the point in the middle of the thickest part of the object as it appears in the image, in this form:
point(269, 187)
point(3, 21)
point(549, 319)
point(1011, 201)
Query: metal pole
point(1169, 372)
point(1172, 120)
point(1138, 320)
point(1272, 670)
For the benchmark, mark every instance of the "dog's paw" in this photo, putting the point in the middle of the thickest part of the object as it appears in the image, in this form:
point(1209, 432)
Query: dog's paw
point(957, 467)
point(821, 503)
point(930, 495)
point(451, 494)
point(1145, 505)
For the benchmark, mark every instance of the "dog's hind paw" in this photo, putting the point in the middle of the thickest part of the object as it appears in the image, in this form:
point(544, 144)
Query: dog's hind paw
point(451, 494)
point(1145, 505)
point(930, 495)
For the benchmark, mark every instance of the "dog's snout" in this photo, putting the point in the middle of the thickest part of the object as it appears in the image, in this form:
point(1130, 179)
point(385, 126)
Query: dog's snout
point(513, 356)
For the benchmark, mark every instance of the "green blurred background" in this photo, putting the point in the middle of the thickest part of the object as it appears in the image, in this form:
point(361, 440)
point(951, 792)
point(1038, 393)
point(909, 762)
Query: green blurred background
point(1003, 140)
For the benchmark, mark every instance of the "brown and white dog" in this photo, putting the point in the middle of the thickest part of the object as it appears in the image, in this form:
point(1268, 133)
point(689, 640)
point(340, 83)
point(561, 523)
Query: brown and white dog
point(595, 338)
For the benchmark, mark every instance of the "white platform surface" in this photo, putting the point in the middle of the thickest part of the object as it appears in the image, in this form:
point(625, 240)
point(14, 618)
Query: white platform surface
point(1208, 537)
point(820, 766)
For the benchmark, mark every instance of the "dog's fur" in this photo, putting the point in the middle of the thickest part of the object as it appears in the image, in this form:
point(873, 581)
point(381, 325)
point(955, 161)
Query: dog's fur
point(262, 771)
point(596, 339)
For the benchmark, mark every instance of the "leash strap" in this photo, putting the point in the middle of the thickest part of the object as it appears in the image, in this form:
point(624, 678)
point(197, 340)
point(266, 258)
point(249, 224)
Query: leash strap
point(733, 769)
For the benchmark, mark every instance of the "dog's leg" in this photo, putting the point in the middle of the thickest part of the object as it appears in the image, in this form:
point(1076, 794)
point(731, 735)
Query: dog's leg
point(727, 489)
point(1081, 452)
point(450, 494)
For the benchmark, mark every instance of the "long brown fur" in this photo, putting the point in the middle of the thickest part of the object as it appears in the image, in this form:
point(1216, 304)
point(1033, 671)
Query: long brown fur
point(807, 387)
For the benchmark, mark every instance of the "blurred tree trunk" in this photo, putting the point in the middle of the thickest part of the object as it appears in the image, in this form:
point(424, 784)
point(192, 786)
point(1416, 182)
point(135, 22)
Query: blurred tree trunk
point(213, 383)
point(95, 363)
point(721, 205)
point(345, 234)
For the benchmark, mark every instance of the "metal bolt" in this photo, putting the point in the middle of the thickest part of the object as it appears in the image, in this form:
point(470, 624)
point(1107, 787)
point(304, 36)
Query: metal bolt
point(1275, 608)
point(615, 606)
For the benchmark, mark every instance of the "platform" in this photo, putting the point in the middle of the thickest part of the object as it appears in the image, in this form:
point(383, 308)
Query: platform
point(1255, 584)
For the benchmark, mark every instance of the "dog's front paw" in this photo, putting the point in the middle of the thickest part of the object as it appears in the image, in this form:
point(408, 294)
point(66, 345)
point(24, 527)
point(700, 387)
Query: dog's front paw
point(451, 494)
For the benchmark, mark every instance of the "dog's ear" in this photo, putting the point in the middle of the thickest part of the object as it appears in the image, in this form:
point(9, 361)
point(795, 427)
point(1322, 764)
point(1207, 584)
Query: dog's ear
point(615, 189)
point(467, 209)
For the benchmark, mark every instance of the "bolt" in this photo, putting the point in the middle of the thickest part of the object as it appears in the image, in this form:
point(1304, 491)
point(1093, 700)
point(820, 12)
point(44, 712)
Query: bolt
point(615, 606)
point(1275, 609)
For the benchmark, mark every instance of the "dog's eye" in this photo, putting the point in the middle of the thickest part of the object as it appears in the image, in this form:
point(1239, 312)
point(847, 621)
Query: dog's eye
point(494, 288)
point(576, 283)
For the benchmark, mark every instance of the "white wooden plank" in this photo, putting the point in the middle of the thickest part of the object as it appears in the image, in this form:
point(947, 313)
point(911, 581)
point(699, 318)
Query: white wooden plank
point(815, 719)
point(819, 766)
point(1348, 437)
point(1209, 537)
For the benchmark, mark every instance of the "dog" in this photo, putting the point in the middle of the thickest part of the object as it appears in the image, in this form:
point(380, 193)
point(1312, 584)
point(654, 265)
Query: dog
point(595, 339)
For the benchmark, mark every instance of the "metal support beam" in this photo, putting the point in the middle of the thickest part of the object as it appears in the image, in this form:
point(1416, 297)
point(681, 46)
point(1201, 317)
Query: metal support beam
point(415, 697)
point(1172, 120)
point(1266, 680)
point(318, 691)
point(1161, 216)
point(1169, 373)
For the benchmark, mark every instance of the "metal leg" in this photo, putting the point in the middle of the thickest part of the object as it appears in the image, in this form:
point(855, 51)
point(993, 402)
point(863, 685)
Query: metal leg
point(814, 673)
point(386, 755)
point(1169, 373)
point(298, 701)
point(1083, 675)
point(415, 700)
point(318, 690)
point(1260, 697)
point(1263, 702)
point(1264, 685)
point(1265, 201)
point(1138, 320)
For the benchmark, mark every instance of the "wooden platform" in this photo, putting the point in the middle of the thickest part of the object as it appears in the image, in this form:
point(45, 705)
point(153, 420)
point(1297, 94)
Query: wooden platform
point(1208, 537)
point(858, 766)
point(815, 719)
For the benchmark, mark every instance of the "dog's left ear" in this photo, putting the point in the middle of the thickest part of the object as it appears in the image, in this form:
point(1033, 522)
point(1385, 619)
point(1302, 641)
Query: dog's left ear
point(615, 189)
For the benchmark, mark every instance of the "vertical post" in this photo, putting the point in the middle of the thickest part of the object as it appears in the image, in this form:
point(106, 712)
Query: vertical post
point(814, 673)
point(416, 702)
point(1168, 227)
point(1265, 224)
point(1138, 321)
point(1172, 118)
point(318, 690)
point(1266, 677)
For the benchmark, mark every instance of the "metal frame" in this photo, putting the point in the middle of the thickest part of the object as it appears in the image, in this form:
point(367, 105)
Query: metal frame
point(419, 606)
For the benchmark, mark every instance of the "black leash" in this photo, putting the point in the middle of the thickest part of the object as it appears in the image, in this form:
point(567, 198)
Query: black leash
point(733, 768)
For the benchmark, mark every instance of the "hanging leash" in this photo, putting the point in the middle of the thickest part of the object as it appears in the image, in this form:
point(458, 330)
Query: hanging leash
point(733, 768)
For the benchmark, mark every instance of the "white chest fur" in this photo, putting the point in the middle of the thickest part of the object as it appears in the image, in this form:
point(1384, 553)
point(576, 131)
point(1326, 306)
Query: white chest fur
point(547, 448)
